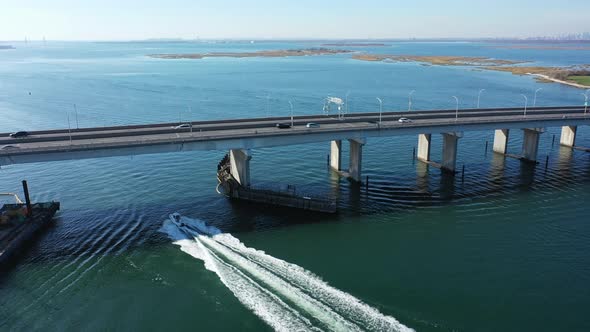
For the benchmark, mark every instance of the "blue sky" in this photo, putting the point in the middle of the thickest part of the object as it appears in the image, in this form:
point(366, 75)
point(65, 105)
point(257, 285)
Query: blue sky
point(135, 19)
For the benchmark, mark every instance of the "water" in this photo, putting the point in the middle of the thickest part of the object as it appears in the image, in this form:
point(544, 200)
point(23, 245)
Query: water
point(504, 249)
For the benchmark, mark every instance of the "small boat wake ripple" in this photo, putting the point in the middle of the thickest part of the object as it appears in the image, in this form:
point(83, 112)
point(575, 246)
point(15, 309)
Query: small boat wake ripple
point(284, 295)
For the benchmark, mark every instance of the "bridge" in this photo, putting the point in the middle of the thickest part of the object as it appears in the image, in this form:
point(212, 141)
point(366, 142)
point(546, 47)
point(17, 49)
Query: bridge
point(240, 135)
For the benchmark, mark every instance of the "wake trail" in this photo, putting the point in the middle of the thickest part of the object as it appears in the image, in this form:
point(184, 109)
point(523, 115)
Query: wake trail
point(284, 295)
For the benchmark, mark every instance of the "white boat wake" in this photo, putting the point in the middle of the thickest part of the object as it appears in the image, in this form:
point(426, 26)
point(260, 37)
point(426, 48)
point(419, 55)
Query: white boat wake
point(284, 295)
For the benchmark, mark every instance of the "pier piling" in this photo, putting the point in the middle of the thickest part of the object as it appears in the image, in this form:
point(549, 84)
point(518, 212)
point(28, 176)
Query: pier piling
point(27, 199)
point(463, 174)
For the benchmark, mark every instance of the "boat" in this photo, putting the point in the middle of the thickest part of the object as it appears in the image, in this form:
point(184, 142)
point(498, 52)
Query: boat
point(21, 221)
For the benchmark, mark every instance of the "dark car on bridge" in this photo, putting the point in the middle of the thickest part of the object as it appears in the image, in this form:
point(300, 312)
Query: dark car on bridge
point(283, 125)
point(19, 134)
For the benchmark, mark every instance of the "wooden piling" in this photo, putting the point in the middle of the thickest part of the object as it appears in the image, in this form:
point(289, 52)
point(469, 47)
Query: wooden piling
point(27, 199)
point(463, 173)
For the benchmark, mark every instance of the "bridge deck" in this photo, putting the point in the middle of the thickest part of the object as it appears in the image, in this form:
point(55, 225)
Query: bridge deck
point(261, 132)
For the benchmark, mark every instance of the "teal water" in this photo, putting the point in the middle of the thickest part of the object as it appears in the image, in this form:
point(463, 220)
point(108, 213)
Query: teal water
point(507, 248)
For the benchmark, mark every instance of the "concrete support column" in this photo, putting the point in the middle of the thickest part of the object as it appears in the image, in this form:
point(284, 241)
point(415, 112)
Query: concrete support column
point(530, 144)
point(501, 140)
point(356, 159)
point(335, 154)
point(449, 150)
point(240, 166)
point(423, 152)
point(568, 136)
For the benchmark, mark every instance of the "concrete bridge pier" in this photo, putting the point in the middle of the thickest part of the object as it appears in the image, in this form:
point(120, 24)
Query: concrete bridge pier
point(449, 150)
point(356, 159)
point(568, 136)
point(423, 153)
point(530, 144)
point(335, 155)
point(501, 140)
point(240, 166)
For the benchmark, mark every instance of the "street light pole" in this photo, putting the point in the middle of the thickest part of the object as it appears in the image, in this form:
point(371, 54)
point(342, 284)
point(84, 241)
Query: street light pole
point(380, 109)
point(346, 101)
point(69, 127)
point(410, 100)
point(291, 105)
point(479, 96)
point(190, 123)
point(526, 101)
point(535, 98)
point(267, 105)
point(585, 101)
point(76, 111)
point(456, 109)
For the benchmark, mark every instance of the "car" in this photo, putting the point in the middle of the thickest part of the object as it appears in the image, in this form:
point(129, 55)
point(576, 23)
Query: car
point(312, 125)
point(9, 147)
point(182, 126)
point(19, 134)
point(404, 120)
point(283, 125)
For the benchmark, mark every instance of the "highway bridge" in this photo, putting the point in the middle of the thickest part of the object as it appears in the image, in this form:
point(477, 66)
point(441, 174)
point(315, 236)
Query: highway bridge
point(240, 135)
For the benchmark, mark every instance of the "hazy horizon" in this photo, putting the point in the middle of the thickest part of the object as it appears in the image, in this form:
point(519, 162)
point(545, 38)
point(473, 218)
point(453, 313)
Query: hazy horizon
point(111, 20)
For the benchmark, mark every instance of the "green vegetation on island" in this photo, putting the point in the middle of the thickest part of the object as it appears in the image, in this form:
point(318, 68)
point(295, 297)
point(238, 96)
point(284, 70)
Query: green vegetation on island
point(583, 80)
point(266, 54)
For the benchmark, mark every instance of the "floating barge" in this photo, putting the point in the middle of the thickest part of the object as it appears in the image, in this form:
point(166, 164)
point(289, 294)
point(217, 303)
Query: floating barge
point(230, 187)
point(20, 222)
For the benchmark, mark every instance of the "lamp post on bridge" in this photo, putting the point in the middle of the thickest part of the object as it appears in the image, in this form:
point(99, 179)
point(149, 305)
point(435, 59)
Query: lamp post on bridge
point(190, 123)
point(456, 109)
point(410, 100)
point(586, 101)
point(291, 105)
point(526, 101)
point(380, 109)
point(346, 101)
point(267, 105)
point(76, 112)
point(535, 98)
point(479, 96)
point(69, 127)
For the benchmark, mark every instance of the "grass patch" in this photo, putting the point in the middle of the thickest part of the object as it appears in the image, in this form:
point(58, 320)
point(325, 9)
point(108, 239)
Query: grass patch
point(584, 80)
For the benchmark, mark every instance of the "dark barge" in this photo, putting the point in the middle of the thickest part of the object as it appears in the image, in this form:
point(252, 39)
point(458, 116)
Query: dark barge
point(230, 187)
point(20, 222)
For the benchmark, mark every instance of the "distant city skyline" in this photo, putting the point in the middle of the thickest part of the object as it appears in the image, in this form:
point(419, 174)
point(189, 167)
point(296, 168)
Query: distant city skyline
point(306, 19)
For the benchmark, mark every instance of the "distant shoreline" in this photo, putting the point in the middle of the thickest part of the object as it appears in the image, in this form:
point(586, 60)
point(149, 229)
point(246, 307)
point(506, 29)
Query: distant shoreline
point(561, 75)
point(439, 60)
point(265, 54)
point(7, 47)
point(355, 44)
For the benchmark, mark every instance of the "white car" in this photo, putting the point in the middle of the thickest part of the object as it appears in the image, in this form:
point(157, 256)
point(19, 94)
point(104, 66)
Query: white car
point(181, 126)
point(404, 120)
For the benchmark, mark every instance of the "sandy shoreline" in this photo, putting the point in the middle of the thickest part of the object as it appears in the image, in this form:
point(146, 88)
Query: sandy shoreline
point(577, 85)
point(442, 60)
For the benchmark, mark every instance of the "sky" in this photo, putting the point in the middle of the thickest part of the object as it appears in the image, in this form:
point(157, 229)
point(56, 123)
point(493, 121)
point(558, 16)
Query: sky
point(280, 19)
